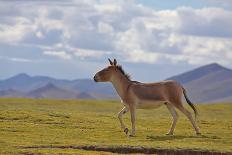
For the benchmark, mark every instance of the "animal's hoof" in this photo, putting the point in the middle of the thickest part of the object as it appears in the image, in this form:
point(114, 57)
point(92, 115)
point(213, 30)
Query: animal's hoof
point(131, 135)
point(198, 133)
point(126, 130)
point(169, 134)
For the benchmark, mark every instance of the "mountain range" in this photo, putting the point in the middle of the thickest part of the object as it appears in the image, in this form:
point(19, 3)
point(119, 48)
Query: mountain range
point(209, 83)
point(23, 85)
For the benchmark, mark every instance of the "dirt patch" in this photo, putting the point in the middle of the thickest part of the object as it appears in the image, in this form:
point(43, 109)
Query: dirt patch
point(129, 149)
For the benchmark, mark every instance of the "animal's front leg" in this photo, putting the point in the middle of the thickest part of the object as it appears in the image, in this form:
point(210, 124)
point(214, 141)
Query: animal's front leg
point(120, 114)
point(132, 112)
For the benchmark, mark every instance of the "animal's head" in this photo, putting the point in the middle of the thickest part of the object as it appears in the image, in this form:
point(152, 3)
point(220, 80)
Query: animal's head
point(106, 74)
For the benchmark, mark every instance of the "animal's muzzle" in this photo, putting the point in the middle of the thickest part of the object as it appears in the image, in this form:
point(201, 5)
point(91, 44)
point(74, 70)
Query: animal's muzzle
point(95, 78)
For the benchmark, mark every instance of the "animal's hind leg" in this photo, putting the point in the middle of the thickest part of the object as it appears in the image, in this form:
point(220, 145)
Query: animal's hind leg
point(132, 112)
point(174, 114)
point(189, 116)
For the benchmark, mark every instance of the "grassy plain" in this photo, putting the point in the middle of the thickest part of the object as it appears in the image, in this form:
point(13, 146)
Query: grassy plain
point(44, 122)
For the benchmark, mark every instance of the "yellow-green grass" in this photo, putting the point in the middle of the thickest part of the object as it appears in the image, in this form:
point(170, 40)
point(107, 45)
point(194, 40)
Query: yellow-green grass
point(43, 122)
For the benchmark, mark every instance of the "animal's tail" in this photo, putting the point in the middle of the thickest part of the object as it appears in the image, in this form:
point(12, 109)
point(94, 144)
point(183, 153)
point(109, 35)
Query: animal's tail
point(190, 103)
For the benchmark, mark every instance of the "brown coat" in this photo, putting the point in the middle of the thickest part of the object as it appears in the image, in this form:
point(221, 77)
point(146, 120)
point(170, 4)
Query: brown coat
point(145, 95)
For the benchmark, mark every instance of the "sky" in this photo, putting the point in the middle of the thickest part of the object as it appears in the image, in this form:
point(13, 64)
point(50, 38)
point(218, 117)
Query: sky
point(151, 39)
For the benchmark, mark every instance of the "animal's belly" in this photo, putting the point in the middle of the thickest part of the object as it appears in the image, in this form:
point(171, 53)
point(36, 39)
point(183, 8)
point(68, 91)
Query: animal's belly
point(149, 104)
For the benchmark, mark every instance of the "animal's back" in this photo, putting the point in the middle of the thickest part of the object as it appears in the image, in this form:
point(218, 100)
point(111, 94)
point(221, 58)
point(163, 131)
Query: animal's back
point(154, 91)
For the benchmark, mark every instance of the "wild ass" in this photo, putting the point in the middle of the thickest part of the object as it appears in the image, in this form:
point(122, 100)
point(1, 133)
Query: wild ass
point(135, 95)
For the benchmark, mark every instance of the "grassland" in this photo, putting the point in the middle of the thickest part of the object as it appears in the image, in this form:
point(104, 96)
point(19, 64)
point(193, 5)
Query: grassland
point(42, 122)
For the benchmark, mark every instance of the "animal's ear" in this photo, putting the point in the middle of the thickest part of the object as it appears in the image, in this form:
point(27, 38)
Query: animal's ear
point(111, 63)
point(115, 62)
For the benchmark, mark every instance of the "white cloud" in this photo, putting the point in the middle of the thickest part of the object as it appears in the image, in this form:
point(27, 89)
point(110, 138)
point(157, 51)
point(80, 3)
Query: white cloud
point(16, 31)
point(104, 28)
point(83, 53)
point(39, 34)
point(131, 31)
point(201, 50)
point(21, 60)
point(212, 22)
point(17, 59)
point(145, 57)
point(60, 54)
point(108, 8)
point(186, 34)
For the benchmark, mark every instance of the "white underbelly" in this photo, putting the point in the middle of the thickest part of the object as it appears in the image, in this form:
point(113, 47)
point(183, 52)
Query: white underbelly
point(149, 104)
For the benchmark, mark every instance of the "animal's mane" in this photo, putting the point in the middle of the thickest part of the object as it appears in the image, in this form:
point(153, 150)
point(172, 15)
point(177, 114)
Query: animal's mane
point(123, 72)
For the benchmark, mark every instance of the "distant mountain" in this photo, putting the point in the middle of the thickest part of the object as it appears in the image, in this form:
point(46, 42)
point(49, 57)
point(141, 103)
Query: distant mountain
point(199, 72)
point(51, 91)
point(84, 95)
point(11, 93)
point(96, 90)
point(46, 87)
point(209, 83)
point(24, 82)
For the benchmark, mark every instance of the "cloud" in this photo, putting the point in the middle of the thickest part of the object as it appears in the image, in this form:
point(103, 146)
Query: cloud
point(212, 22)
point(104, 28)
point(15, 31)
point(20, 60)
point(60, 54)
point(195, 36)
point(17, 59)
point(130, 31)
point(39, 34)
point(82, 53)
point(200, 50)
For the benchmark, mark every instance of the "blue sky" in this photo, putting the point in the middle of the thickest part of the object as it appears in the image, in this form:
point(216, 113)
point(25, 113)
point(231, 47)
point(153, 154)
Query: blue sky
point(173, 4)
point(152, 39)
